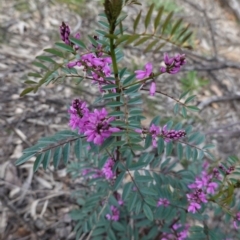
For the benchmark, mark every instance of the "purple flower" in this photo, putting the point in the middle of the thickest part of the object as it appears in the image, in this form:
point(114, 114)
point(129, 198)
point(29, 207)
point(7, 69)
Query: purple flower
point(98, 127)
point(183, 234)
point(77, 36)
point(211, 187)
point(140, 74)
point(153, 88)
point(65, 32)
point(169, 135)
point(154, 131)
point(72, 64)
point(115, 214)
point(163, 201)
point(193, 207)
point(236, 221)
point(107, 169)
point(173, 64)
point(78, 115)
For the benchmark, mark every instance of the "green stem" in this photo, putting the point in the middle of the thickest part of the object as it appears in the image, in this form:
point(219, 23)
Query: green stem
point(142, 81)
point(117, 81)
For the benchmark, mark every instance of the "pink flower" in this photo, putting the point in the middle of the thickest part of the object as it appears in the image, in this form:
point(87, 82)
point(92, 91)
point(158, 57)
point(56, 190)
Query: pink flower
point(193, 207)
point(98, 127)
point(153, 88)
point(115, 214)
point(236, 221)
point(211, 187)
point(107, 169)
point(140, 74)
point(163, 201)
point(154, 131)
point(173, 64)
point(65, 32)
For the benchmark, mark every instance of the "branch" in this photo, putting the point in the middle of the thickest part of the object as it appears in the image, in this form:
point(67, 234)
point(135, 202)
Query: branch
point(211, 100)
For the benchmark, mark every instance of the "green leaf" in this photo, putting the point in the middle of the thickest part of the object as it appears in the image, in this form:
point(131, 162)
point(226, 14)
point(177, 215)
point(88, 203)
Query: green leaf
point(209, 146)
point(176, 26)
point(25, 157)
point(46, 159)
point(77, 42)
point(193, 108)
point(114, 104)
point(98, 231)
point(26, 91)
point(118, 181)
point(66, 152)
point(78, 148)
point(132, 89)
point(136, 21)
point(141, 41)
point(116, 114)
point(132, 201)
point(179, 151)
point(186, 37)
point(155, 121)
point(136, 100)
point(36, 75)
point(122, 39)
point(126, 190)
point(167, 21)
point(160, 145)
point(128, 80)
point(148, 212)
point(151, 45)
point(30, 82)
point(169, 148)
point(45, 59)
point(138, 165)
point(107, 143)
point(109, 86)
point(118, 226)
point(122, 72)
point(159, 47)
point(158, 18)
point(176, 108)
point(189, 99)
point(64, 46)
point(148, 16)
point(111, 95)
point(182, 32)
point(132, 39)
point(184, 112)
point(57, 156)
point(38, 162)
point(104, 24)
point(188, 152)
point(40, 65)
point(148, 141)
point(184, 94)
point(200, 139)
point(54, 52)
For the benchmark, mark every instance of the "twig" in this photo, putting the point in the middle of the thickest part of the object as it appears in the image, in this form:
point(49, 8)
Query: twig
point(28, 225)
point(211, 100)
point(165, 94)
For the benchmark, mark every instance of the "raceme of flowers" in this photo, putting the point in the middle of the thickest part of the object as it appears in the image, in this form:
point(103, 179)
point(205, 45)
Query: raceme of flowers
point(202, 186)
point(106, 171)
point(163, 201)
point(98, 67)
point(173, 64)
point(178, 235)
point(167, 135)
point(96, 125)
